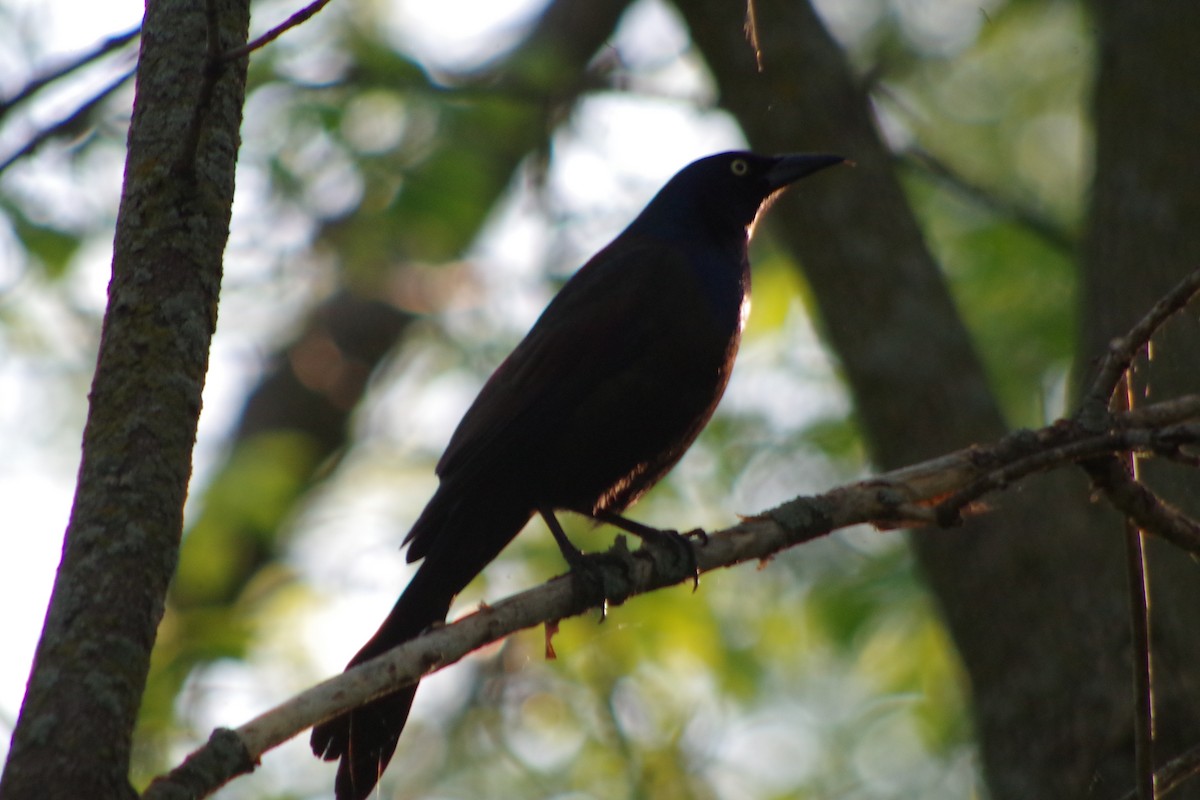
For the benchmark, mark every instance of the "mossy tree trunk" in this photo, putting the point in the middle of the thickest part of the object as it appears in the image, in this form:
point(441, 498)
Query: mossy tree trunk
point(73, 736)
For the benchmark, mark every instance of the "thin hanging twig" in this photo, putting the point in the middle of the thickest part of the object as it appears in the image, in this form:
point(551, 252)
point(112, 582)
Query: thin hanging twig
point(42, 81)
point(1139, 622)
point(66, 124)
point(295, 19)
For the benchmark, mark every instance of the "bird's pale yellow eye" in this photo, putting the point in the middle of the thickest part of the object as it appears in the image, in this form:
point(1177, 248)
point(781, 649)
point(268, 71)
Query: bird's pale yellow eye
point(739, 167)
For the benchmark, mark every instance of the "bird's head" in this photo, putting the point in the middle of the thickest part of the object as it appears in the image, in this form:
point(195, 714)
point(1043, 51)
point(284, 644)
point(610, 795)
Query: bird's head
point(725, 192)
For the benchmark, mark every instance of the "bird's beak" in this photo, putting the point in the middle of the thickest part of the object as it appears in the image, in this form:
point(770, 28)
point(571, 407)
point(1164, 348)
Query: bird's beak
point(791, 168)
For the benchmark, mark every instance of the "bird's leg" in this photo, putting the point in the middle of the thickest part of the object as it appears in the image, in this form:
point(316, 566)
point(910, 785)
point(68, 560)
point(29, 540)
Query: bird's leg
point(590, 568)
point(572, 554)
point(674, 539)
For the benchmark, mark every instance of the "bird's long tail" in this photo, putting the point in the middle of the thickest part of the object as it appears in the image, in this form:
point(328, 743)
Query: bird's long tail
point(365, 739)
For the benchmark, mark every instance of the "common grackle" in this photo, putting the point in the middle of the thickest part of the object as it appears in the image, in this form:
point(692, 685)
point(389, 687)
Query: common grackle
point(602, 397)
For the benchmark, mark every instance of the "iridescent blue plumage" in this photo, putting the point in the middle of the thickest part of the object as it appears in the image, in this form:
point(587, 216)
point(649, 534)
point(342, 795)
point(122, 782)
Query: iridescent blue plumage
point(593, 407)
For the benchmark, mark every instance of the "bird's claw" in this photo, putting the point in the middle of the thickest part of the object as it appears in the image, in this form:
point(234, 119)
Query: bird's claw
point(604, 578)
point(673, 548)
point(681, 551)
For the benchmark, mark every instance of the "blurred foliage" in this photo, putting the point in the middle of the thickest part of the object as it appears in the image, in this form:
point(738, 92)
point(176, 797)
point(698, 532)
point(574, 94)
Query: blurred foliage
point(822, 674)
point(212, 614)
point(1008, 115)
point(50, 248)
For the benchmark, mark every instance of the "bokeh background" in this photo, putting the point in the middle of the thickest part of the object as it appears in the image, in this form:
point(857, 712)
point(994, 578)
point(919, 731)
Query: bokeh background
point(415, 181)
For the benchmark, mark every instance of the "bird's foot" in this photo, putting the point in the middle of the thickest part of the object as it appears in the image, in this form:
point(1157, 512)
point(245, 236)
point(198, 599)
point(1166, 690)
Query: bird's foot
point(672, 553)
point(604, 578)
point(670, 550)
point(600, 578)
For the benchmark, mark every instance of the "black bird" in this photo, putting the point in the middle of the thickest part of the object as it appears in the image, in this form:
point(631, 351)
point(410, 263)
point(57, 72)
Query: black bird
point(602, 397)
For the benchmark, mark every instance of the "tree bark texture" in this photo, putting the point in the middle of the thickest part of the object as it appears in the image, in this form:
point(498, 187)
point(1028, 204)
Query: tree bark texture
point(73, 737)
point(1033, 592)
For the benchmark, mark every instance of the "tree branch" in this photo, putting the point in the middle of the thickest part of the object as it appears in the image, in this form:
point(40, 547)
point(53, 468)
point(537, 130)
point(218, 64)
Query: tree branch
point(1139, 610)
point(42, 81)
point(1142, 506)
point(1121, 351)
point(1027, 452)
point(67, 123)
point(301, 16)
point(1173, 774)
point(902, 497)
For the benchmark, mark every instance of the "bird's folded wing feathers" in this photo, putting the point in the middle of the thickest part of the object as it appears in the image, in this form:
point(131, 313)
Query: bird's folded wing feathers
point(606, 320)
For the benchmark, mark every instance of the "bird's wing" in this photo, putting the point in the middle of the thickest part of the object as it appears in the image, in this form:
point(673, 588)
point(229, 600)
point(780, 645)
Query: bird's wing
point(634, 302)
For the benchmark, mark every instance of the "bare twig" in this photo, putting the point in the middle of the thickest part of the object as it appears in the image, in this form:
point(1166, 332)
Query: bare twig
point(40, 82)
point(72, 121)
point(66, 124)
point(1143, 510)
point(752, 34)
point(1028, 452)
point(1050, 231)
point(1167, 412)
point(1173, 774)
point(1139, 615)
point(299, 17)
point(1117, 478)
point(1151, 513)
point(1093, 408)
point(1143, 688)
